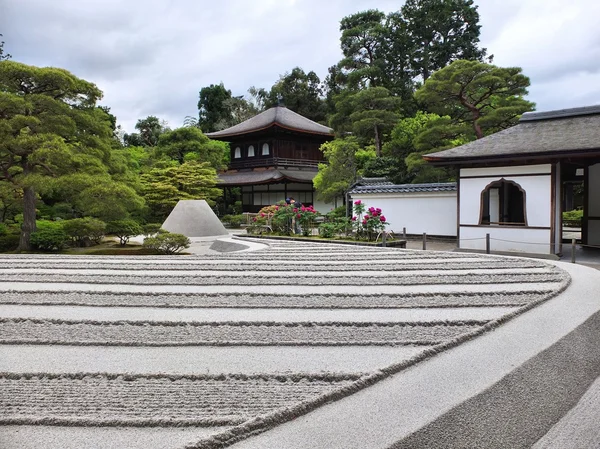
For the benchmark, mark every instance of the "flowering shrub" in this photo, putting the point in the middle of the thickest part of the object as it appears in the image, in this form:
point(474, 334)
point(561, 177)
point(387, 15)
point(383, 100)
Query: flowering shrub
point(368, 223)
point(263, 218)
point(288, 218)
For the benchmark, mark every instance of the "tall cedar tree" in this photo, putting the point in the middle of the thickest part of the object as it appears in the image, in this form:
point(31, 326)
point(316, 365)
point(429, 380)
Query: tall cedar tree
point(441, 31)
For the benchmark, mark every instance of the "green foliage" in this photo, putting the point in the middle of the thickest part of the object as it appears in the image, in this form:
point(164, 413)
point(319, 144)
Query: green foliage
point(109, 201)
point(149, 229)
point(49, 236)
point(50, 128)
point(150, 130)
point(573, 217)
point(233, 221)
point(338, 212)
point(11, 201)
point(9, 241)
point(167, 243)
point(84, 230)
point(190, 144)
point(481, 97)
point(335, 177)
point(164, 187)
point(300, 92)
point(369, 113)
point(213, 111)
point(124, 230)
point(403, 143)
point(439, 32)
point(396, 50)
point(362, 42)
point(336, 223)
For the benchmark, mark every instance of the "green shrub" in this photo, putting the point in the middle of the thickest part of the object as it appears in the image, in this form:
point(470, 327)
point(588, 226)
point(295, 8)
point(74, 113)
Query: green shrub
point(124, 229)
point(9, 241)
point(49, 236)
point(151, 228)
point(167, 243)
point(233, 221)
point(573, 216)
point(327, 230)
point(338, 212)
point(84, 230)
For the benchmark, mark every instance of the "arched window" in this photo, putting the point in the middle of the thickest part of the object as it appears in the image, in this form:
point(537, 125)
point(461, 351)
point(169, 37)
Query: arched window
point(251, 151)
point(503, 203)
point(265, 149)
point(237, 153)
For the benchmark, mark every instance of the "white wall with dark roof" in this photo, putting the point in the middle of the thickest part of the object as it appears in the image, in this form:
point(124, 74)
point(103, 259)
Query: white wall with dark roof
point(535, 181)
point(431, 212)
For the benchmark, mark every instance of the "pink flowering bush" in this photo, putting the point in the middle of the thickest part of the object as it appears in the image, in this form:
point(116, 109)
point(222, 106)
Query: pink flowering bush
point(288, 218)
point(368, 222)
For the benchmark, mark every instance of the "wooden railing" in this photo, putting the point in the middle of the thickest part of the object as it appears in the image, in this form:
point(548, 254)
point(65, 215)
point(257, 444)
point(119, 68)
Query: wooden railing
point(273, 162)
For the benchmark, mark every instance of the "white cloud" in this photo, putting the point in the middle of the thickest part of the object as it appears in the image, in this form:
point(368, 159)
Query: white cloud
point(151, 57)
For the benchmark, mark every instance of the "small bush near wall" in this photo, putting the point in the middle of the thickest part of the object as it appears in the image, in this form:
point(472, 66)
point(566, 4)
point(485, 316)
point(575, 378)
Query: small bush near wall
point(572, 217)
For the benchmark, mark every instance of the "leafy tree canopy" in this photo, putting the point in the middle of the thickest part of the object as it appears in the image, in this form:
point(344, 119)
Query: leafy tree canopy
point(299, 91)
point(369, 114)
point(441, 31)
point(192, 180)
point(345, 160)
point(190, 143)
point(483, 97)
point(50, 128)
point(149, 131)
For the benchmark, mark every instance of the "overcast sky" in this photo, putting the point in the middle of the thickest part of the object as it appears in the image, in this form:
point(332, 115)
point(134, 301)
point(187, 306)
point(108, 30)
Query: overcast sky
point(151, 57)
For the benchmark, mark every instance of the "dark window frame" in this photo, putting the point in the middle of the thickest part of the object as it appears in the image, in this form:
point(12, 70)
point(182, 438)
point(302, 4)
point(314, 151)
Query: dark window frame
point(514, 204)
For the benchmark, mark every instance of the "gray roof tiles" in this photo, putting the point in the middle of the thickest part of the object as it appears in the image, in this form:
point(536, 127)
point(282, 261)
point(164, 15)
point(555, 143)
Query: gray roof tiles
point(265, 176)
point(405, 188)
point(537, 134)
point(278, 115)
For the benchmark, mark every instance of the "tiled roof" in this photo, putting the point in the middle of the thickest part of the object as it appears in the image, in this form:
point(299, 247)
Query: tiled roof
point(574, 130)
point(405, 188)
point(265, 176)
point(373, 182)
point(278, 115)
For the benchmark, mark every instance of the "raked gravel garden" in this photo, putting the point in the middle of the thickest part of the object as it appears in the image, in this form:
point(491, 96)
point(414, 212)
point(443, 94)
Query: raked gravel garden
point(204, 351)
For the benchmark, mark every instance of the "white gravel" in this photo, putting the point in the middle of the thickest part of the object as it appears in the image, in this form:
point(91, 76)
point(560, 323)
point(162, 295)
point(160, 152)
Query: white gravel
point(200, 360)
point(254, 314)
point(276, 289)
point(63, 437)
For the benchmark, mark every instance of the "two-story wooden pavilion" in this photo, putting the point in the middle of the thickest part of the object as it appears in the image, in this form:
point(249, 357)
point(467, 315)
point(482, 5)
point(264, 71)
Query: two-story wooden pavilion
point(274, 155)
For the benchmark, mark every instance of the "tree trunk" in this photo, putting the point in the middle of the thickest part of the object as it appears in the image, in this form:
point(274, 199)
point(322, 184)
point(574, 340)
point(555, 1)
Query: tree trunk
point(28, 225)
point(377, 141)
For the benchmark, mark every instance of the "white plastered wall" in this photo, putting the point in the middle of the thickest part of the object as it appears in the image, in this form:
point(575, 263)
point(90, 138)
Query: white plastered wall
point(536, 181)
point(431, 212)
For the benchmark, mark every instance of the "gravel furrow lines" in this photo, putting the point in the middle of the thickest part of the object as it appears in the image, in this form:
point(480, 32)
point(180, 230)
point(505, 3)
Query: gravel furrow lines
point(150, 401)
point(261, 300)
point(413, 279)
point(32, 331)
point(381, 266)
